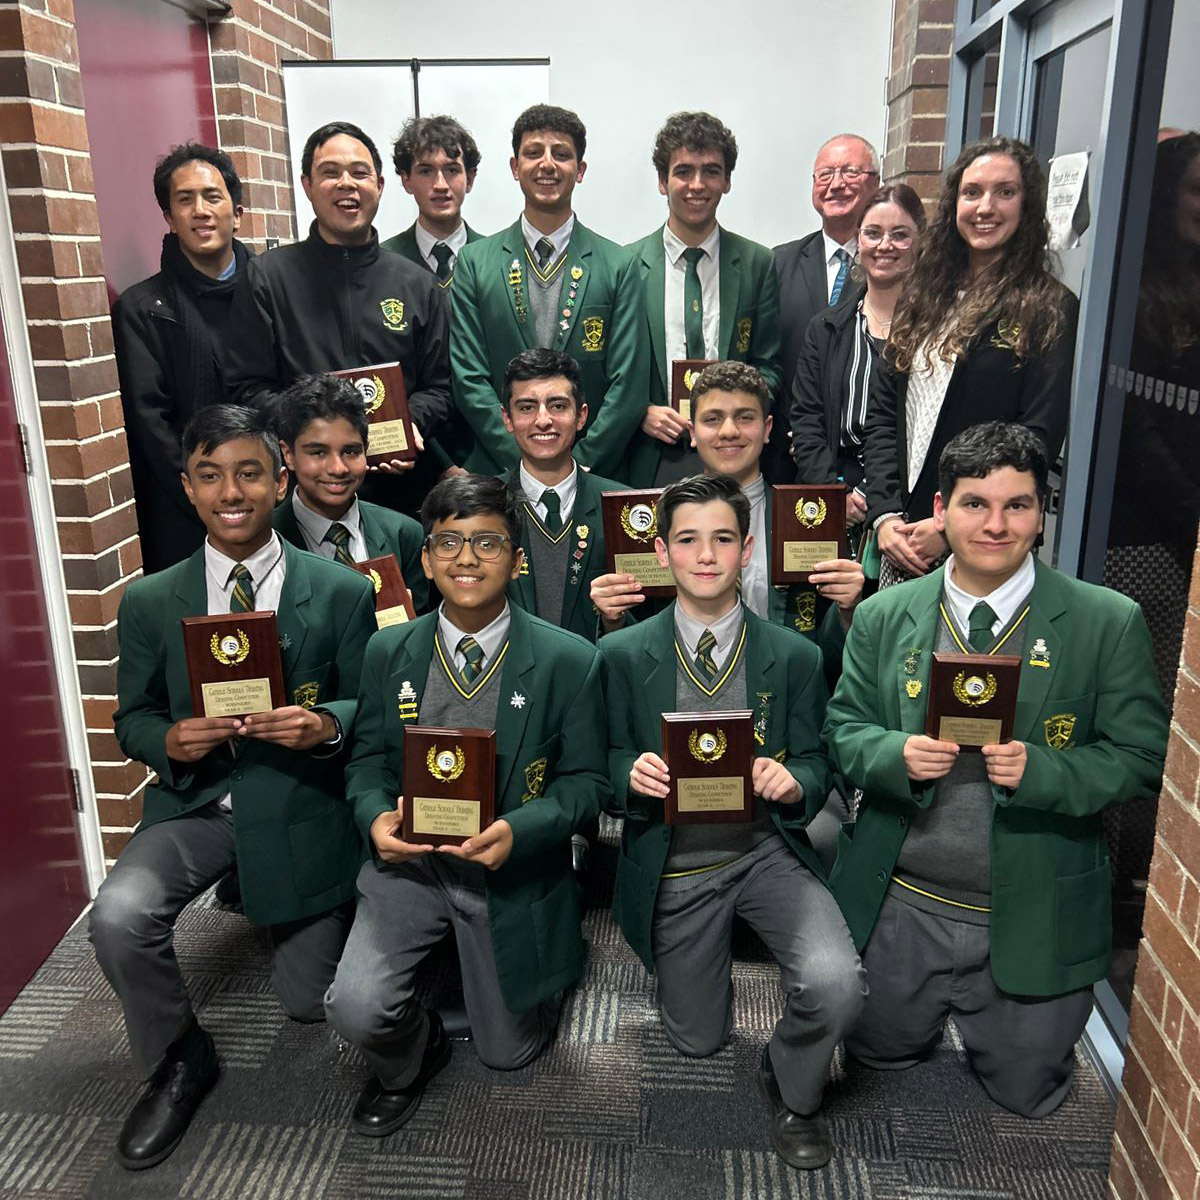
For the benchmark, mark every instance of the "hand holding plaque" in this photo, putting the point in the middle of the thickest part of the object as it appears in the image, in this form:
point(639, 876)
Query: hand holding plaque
point(449, 784)
point(630, 527)
point(393, 600)
point(711, 759)
point(233, 664)
point(808, 526)
point(972, 699)
point(683, 376)
point(390, 433)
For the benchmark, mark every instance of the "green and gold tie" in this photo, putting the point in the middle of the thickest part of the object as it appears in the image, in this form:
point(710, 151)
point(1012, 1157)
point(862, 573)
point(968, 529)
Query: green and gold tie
point(339, 535)
point(241, 599)
point(979, 634)
point(704, 659)
point(472, 651)
point(693, 304)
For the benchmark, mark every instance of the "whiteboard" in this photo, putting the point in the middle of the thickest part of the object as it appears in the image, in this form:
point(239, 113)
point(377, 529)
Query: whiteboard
point(483, 95)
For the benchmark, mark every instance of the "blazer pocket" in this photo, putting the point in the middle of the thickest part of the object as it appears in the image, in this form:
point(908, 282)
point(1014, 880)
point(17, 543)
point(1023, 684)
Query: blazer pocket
point(1083, 915)
point(590, 335)
point(325, 852)
point(556, 927)
point(1065, 723)
point(537, 768)
point(308, 685)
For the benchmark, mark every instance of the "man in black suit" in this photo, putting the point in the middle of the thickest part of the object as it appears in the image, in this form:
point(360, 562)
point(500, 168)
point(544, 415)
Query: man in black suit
point(814, 271)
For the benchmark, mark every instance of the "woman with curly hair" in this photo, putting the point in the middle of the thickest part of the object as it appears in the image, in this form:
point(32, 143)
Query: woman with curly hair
point(983, 332)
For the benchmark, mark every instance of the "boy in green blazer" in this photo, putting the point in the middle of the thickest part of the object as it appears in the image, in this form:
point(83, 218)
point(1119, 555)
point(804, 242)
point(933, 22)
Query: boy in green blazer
point(322, 428)
point(678, 888)
point(547, 281)
point(708, 293)
point(262, 793)
point(989, 872)
point(507, 893)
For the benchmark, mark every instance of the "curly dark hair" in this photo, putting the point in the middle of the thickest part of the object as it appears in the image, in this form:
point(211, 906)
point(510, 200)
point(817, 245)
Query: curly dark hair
point(423, 135)
point(550, 116)
point(732, 377)
point(179, 156)
point(693, 131)
point(1019, 290)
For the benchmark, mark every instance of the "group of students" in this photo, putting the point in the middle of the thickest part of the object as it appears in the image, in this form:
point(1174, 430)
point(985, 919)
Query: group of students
point(969, 884)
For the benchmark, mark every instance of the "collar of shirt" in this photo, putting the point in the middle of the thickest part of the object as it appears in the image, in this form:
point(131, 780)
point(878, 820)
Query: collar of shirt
point(725, 629)
point(426, 242)
point(1003, 601)
point(315, 527)
point(832, 247)
point(229, 271)
point(756, 574)
point(490, 637)
point(675, 248)
point(266, 567)
point(559, 239)
point(533, 489)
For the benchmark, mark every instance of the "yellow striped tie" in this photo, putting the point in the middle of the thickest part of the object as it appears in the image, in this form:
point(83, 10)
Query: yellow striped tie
point(242, 597)
point(704, 659)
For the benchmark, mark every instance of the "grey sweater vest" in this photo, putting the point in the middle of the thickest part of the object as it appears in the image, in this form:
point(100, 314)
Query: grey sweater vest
point(550, 562)
point(443, 704)
point(544, 302)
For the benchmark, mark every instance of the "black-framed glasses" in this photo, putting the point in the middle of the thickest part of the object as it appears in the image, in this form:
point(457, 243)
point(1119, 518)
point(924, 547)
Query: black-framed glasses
point(849, 174)
point(485, 546)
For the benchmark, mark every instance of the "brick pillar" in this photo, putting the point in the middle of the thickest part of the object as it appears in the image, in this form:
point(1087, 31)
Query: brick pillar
point(1156, 1147)
point(53, 206)
point(246, 51)
point(922, 36)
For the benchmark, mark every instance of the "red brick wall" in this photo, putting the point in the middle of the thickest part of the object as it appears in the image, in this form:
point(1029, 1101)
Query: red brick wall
point(1156, 1148)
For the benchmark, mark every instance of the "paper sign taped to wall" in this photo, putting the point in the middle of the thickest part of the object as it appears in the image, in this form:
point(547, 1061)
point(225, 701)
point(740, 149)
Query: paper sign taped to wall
point(1067, 199)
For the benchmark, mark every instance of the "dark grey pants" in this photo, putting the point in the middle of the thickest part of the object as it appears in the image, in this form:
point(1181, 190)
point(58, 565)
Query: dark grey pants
point(922, 967)
point(403, 912)
point(793, 912)
point(132, 927)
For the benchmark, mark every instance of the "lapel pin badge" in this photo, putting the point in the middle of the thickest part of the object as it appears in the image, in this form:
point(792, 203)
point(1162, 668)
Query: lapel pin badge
point(517, 701)
point(1039, 655)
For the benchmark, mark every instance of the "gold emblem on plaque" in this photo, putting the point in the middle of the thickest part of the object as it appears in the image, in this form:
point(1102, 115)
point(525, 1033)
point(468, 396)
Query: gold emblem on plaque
point(913, 688)
point(376, 579)
point(593, 334)
point(393, 314)
point(639, 521)
point(372, 391)
point(445, 765)
point(743, 335)
point(230, 649)
point(305, 695)
point(810, 513)
point(535, 779)
point(974, 689)
point(1060, 728)
point(707, 747)
point(689, 379)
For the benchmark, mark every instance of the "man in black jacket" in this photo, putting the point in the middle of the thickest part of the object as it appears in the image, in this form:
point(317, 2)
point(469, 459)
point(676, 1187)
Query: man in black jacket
point(335, 300)
point(168, 331)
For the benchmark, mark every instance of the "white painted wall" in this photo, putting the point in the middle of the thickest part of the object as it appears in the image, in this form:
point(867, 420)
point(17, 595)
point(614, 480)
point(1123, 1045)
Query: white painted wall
point(782, 74)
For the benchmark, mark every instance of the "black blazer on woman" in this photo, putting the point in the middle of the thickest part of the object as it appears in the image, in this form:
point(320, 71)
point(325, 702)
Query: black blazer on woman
point(989, 383)
point(819, 391)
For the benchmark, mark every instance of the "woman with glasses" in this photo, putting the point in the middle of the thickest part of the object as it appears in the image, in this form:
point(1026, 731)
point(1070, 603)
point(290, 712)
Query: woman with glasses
point(983, 331)
point(842, 344)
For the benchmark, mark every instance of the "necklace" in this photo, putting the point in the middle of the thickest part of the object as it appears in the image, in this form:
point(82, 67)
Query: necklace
point(884, 325)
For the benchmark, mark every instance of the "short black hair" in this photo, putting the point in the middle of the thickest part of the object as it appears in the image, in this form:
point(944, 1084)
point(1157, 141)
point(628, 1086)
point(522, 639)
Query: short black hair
point(178, 156)
point(423, 135)
point(468, 496)
point(732, 376)
point(981, 449)
point(318, 398)
point(549, 116)
point(693, 131)
point(540, 363)
point(216, 424)
point(328, 132)
point(702, 489)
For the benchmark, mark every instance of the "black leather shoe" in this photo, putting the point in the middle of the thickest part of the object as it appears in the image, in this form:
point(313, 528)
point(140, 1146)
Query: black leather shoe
point(580, 852)
point(379, 1111)
point(802, 1142)
point(157, 1122)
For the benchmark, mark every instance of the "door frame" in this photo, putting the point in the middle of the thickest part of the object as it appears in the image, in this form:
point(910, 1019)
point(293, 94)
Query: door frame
point(45, 529)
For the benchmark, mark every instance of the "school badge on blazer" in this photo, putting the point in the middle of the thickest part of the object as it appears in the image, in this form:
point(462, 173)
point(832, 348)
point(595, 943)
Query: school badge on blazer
point(805, 619)
point(305, 695)
point(593, 334)
point(744, 327)
point(535, 779)
point(393, 314)
point(1060, 729)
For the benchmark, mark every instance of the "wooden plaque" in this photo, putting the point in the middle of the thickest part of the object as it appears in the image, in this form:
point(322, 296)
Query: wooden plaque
point(390, 430)
point(630, 527)
point(233, 664)
point(710, 756)
point(449, 784)
point(808, 526)
point(683, 375)
point(393, 600)
point(972, 698)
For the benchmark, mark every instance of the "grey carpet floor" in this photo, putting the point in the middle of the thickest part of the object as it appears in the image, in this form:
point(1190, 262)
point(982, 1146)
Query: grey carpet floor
point(610, 1111)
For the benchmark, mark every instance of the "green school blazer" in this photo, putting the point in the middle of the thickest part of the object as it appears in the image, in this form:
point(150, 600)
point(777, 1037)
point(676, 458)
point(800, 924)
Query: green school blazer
point(384, 531)
point(605, 334)
point(405, 244)
point(550, 783)
point(1095, 727)
point(785, 687)
point(297, 849)
point(749, 325)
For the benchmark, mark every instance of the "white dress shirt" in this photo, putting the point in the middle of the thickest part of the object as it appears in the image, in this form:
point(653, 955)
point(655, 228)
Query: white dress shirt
point(725, 629)
point(533, 489)
point(266, 566)
point(491, 637)
point(709, 270)
point(314, 527)
point(559, 239)
point(1004, 601)
point(426, 242)
point(832, 262)
point(756, 586)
